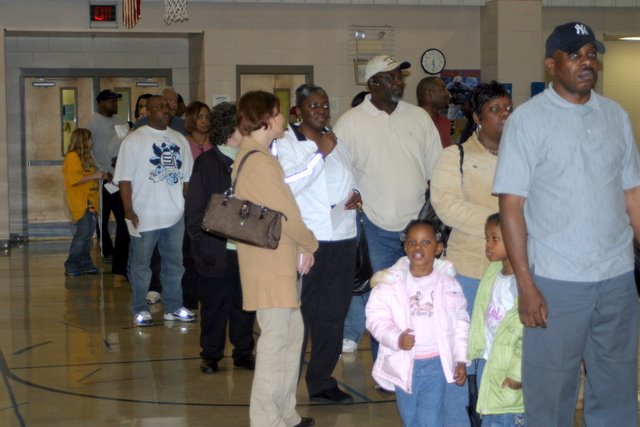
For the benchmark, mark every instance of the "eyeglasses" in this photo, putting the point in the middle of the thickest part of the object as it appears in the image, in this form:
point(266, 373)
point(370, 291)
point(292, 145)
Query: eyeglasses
point(317, 105)
point(387, 78)
point(159, 107)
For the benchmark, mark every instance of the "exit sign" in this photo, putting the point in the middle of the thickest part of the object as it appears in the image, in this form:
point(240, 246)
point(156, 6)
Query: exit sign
point(103, 14)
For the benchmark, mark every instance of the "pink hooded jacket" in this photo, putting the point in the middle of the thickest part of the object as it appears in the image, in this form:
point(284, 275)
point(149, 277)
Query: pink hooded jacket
point(388, 316)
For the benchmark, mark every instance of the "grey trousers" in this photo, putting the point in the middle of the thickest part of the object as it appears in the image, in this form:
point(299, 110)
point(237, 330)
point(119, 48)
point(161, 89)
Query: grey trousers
point(596, 322)
point(275, 379)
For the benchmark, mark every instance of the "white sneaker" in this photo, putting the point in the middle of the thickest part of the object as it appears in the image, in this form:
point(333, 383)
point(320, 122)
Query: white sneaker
point(143, 319)
point(181, 315)
point(349, 346)
point(153, 297)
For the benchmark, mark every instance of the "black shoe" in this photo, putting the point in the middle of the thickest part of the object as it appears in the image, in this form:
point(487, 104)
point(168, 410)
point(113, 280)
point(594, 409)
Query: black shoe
point(248, 363)
point(332, 395)
point(208, 366)
point(305, 422)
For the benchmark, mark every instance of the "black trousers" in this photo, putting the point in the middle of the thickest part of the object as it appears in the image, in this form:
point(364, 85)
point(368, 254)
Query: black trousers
point(120, 254)
point(190, 277)
point(221, 303)
point(326, 295)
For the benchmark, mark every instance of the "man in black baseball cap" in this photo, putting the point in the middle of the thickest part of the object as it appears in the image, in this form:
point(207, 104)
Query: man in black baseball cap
point(106, 142)
point(571, 60)
point(570, 37)
point(107, 94)
point(568, 179)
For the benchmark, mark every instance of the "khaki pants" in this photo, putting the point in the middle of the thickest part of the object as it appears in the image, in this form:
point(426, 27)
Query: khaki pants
point(275, 380)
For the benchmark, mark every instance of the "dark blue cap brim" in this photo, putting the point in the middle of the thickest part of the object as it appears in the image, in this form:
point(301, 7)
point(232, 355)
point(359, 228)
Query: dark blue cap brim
point(570, 48)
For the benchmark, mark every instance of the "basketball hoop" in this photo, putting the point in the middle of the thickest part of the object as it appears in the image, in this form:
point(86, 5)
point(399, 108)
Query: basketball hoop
point(175, 10)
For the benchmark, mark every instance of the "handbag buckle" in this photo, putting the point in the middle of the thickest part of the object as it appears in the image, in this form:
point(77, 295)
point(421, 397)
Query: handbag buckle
point(228, 195)
point(244, 213)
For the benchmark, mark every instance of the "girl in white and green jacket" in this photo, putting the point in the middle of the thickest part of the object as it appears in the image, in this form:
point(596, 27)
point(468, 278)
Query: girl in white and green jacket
point(495, 337)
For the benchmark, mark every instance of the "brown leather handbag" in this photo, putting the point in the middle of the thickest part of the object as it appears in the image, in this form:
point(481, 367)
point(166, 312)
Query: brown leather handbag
point(242, 220)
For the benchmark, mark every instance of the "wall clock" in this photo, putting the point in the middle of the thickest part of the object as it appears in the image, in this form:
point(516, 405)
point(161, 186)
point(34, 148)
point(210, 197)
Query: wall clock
point(433, 61)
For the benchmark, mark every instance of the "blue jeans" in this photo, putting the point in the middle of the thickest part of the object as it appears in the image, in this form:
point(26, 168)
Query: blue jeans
point(457, 397)
point(424, 406)
point(497, 420)
point(354, 322)
point(79, 259)
point(169, 241)
point(469, 289)
point(503, 420)
point(385, 249)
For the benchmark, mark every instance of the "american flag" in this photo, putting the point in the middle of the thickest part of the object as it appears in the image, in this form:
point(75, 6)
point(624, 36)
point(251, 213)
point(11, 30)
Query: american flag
point(130, 12)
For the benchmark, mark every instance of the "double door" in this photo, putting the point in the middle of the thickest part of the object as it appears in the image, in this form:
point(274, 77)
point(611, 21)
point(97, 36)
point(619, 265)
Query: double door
point(53, 108)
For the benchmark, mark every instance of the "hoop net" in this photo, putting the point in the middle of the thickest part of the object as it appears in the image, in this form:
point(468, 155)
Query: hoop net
point(175, 10)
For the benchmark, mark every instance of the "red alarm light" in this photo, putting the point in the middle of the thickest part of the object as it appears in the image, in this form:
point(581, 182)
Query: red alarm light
point(103, 12)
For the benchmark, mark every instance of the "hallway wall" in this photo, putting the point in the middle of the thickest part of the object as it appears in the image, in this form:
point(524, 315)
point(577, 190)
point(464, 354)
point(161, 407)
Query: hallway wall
point(204, 50)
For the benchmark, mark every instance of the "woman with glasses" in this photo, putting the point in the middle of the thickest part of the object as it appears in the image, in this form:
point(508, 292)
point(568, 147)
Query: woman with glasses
point(462, 198)
point(318, 170)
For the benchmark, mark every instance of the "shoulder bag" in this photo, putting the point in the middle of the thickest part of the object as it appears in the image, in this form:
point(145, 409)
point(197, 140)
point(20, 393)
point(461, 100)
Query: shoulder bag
point(363, 270)
point(241, 220)
point(428, 212)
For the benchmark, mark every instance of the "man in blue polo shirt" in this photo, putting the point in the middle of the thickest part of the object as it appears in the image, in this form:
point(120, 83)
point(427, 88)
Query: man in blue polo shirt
point(568, 177)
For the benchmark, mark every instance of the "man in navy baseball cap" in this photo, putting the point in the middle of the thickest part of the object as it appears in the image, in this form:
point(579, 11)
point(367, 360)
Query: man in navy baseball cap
point(570, 37)
point(107, 94)
point(579, 303)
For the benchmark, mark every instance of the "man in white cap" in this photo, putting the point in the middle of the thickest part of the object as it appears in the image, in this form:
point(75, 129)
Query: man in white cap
point(568, 177)
point(393, 147)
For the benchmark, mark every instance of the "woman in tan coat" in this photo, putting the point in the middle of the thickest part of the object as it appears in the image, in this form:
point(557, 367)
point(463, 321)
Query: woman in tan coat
point(269, 276)
point(464, 201)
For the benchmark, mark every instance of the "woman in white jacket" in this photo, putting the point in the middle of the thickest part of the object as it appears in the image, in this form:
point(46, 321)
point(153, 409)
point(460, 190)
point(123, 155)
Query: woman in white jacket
point(318, 170)
point(417, 312)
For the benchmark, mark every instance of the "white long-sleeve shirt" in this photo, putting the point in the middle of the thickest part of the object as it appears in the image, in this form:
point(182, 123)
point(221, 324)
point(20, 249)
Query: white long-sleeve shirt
point(321, 187)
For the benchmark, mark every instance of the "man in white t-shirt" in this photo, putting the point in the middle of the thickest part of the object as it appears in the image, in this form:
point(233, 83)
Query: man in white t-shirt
point(153, 171)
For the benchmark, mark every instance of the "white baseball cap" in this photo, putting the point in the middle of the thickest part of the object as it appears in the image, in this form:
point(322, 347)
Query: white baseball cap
point(383, 63)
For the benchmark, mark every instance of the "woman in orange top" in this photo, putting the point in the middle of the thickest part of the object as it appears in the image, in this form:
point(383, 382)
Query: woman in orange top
point(82, 185)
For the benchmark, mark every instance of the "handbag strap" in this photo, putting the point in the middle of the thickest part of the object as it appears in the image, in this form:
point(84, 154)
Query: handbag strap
point(231, 191)
point(461, 150)
point(244, 159)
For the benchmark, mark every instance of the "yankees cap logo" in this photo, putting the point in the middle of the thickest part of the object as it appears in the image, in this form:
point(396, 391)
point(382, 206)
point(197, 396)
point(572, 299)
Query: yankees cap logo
point(581, 30)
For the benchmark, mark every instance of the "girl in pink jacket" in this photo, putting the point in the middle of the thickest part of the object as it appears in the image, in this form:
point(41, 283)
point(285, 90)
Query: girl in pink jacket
point(417, 312)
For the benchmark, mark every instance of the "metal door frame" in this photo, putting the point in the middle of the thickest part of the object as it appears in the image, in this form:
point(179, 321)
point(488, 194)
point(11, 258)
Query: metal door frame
point(96, 75)
point(306, 70)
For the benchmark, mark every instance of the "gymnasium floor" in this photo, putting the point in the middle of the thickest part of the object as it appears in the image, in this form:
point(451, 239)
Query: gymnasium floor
point(70, 356)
